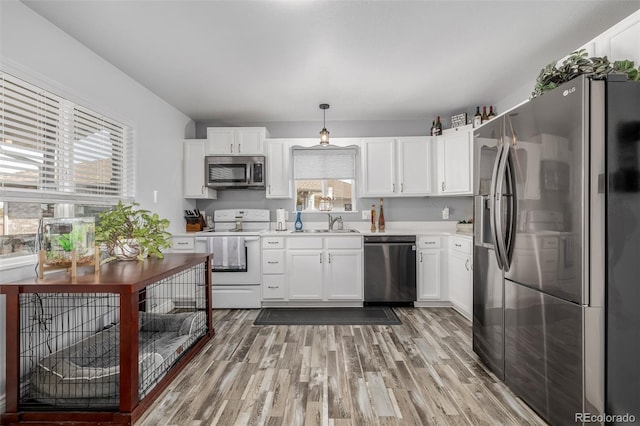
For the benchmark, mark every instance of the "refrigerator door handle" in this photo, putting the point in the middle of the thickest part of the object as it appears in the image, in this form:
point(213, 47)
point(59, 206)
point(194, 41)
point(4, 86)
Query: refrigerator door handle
point(494, 216)
point(512, 210)
point(501, 176)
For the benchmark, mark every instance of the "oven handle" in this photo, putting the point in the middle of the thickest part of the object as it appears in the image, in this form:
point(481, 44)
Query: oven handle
point(248, 238)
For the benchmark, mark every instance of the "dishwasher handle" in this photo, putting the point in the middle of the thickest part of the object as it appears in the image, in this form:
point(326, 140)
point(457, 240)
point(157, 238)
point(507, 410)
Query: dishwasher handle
point(389, 239)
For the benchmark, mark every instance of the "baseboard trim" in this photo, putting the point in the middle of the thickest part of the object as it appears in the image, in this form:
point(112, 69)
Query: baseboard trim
point(432, 304)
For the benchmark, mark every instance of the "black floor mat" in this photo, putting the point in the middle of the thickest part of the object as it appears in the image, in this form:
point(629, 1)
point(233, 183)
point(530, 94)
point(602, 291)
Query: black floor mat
point(370, 315)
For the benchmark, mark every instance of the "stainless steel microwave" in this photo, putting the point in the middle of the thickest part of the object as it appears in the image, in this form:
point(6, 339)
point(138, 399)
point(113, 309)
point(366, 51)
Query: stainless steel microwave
point(235, 171)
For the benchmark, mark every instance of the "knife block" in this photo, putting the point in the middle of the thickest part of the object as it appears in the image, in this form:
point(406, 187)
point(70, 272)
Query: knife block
point(195, 224)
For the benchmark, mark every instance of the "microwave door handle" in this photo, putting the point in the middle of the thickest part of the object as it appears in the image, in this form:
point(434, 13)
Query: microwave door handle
point(249, 173)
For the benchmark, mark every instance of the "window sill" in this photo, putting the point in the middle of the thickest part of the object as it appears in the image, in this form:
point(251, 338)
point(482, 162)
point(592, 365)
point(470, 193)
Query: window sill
point(18, 262)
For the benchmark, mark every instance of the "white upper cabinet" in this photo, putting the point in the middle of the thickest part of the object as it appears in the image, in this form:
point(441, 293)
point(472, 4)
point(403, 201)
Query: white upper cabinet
point(415, 161)
point(455, 161)
point(396, 167)
point(378, 167)
point(193, 170)
point(278, 168)
point(236, 140)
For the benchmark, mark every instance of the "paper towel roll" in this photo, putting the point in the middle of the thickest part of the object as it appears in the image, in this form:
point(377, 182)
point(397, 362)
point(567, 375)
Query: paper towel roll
point(281, 219)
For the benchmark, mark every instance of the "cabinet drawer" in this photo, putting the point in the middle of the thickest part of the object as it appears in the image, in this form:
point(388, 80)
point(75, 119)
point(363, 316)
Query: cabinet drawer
point(304, 243)
point(462, 245)
point(344, 242)
point(273, 287)
point(183, 243)
point(273, 262)
point(272, 242)
point(429, 242)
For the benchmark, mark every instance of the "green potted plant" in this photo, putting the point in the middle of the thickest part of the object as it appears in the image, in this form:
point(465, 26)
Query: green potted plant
point(578, 63)
point(130, 233)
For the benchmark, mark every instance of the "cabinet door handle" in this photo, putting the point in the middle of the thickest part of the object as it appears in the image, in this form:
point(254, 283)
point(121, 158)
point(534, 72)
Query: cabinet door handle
point(273, 286)
point(270, 262)
point(430, 242)
point(239, 148)
point(457, 245)
point(269, 188)
point(231, 148)
point(184, 243)
point(466, 265)
point(393, 187)
point(329, 257)
point(402, 187)
point(272, 242)
point(320, 257)
point(420, 257)
point(443, 186)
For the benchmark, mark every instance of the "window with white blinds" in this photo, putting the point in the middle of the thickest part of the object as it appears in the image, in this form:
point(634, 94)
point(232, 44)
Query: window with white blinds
point(52, 149)
point(324, 178)
point(324, 163)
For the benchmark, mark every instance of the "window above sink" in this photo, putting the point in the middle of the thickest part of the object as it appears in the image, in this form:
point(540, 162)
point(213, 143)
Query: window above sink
point(325, 179)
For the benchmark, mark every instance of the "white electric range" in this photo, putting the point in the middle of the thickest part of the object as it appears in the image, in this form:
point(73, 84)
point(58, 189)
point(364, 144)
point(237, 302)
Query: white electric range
point(236, 278)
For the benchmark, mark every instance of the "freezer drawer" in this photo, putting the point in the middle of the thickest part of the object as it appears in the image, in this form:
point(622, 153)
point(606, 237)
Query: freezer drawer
point(544, 352)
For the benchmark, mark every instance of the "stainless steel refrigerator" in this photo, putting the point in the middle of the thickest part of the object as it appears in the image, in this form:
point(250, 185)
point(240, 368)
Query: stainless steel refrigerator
point(556, 286)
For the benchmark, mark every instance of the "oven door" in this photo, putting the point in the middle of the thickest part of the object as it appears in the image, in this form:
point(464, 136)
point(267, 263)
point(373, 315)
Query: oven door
point(250, 276)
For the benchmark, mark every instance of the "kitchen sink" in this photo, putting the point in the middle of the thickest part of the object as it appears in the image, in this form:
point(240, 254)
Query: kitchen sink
point(326, 231)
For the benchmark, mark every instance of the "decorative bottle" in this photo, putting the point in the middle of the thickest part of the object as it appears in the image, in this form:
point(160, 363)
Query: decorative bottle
point(373, 218)
point(433, 128)
point(491, 113)
point(438, 127)
point(477, 118)
point(298, 225)
point(381, 218)
point(484, 117)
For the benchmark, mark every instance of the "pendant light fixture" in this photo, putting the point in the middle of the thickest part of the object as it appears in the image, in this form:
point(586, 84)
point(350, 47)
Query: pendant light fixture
point(324, 133)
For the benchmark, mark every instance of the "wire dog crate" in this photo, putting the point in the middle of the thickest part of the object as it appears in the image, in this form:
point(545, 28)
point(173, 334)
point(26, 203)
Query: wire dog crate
point(93, 350)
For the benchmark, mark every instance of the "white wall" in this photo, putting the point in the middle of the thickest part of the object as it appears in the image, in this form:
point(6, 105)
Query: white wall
point(622, 41)
point(35, 50)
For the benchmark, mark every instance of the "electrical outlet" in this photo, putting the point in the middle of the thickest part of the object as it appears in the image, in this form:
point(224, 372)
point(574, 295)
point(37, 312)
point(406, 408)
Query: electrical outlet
point(445, 213)
point(366, 215)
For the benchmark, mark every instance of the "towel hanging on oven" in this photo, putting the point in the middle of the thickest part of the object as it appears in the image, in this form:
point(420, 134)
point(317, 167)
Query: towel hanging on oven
point(228, 253)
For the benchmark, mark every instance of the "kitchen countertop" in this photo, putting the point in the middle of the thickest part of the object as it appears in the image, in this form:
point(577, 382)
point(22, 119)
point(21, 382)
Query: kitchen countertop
point(393, 228)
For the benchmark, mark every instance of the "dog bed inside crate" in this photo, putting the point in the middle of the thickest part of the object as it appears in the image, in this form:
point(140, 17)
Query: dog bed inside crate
point(86, 373)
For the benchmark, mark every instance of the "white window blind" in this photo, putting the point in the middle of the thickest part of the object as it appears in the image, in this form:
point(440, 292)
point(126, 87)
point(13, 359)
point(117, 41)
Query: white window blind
point(53, 149)
point(324, 163)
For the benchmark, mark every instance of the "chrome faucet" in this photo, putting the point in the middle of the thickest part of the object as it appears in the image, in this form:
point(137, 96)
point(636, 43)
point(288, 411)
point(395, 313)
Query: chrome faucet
point(333, 220)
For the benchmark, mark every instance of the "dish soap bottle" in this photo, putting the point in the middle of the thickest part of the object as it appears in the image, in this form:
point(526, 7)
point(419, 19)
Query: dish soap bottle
point(298, 222)
point(381, 218)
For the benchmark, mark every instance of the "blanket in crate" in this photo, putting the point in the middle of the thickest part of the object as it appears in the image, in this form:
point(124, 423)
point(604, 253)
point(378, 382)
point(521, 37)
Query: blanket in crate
point(89, 370)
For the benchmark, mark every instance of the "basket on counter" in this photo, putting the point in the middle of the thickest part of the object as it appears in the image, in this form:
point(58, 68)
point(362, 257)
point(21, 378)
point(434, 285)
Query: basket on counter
point(464, 228)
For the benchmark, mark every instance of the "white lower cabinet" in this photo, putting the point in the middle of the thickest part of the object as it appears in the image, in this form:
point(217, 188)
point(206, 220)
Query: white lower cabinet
point(306, 274)
point(274, 280)
point(312, 269)
point(461, 275)
point(344, 275)
point(430, 275)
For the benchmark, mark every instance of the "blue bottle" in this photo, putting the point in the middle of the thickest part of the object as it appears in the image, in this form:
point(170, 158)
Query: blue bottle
point(298, 222)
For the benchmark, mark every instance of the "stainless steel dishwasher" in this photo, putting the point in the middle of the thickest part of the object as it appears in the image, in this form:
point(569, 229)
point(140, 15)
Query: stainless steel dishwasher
point(390, 270)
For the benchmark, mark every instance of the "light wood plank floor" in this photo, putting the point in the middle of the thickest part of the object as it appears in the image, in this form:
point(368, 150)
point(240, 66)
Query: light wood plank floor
point(422, 372)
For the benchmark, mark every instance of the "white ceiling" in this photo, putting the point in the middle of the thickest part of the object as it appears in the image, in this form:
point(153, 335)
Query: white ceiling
point(260, 61)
